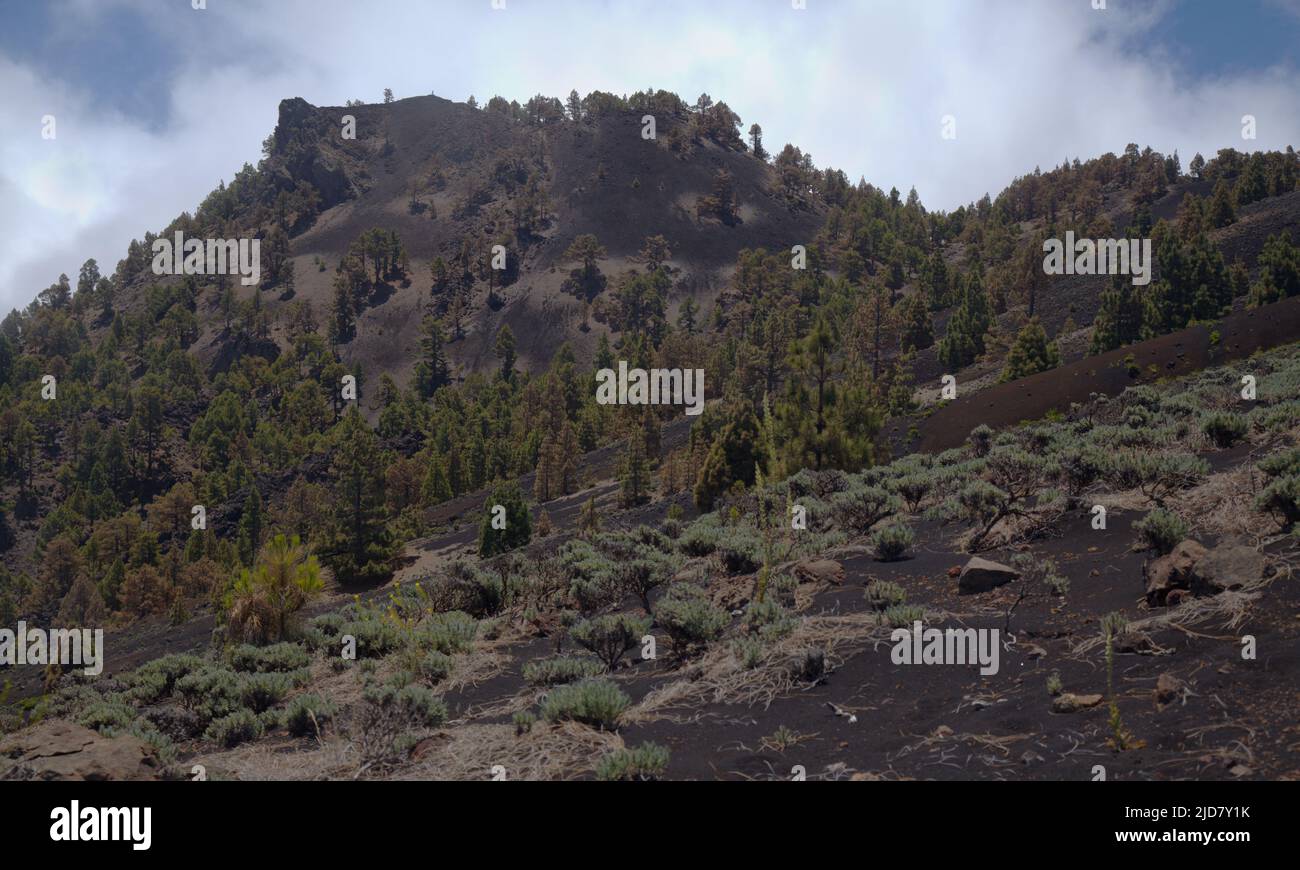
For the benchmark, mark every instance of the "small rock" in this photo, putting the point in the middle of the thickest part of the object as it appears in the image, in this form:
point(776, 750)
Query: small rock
point(1175, 597)
point(820, 571)
point(981, 575)
point(1030, 757)
point(1069, 702)
point(1174, 571)
point(1228, 567)
point(1036, 652)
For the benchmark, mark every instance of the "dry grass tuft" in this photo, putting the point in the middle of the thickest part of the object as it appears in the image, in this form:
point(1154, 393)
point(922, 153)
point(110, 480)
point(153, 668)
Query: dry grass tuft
point(719, 678)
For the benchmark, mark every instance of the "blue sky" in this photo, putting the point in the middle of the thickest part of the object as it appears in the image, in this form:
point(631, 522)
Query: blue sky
point(155, 102)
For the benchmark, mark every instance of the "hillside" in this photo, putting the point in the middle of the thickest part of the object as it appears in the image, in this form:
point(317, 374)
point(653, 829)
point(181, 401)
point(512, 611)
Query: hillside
point(298, 581)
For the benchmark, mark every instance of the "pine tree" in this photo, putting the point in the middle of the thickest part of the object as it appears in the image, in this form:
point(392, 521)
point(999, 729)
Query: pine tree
point(250, 527)
point(756, 141)
point(518, 525)
point(436, 487)
point(687, 315)
point(918, 331)
point(732, 454)
point(634, 476)
point(431, 372)
point(1222, 210)
point(588, 518)
point(1119, 321)
point(964, 341)
point(359, 547)
point(342, 325)
point(1279, 271)
point(505, 351)
point(1031, 353)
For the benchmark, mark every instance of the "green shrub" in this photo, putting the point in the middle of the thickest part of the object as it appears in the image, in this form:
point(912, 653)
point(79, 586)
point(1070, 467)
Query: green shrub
point(156, 680)
point(470, 589)
point(564, 669)
point(642, 575)
point(323, 632)
point(376, 636)
point(1161, 530)
point(1225, 430)
point(691, 620)
point(610, 636)
point(1155, 475)
point(278, 657)
point(903, 615)
point(749, 651)
point(392, 715)
point(435, 667)
point(860, 508)
point(212, 692)
point(107, 714)
point(913, 488)
point(234, 729)
point(884, 594)
point(740, 549)
point(414, 702)
point(1281, 464)
point(448, 633)
point(646, 762)
point(700, 538)
point(1282, 498)
point(524, 721)
point(768, 619)
point(306, 713)
point(591, 572)
point(260, 692)
point(892, 542)
point(1081, 467)
point(598, 703)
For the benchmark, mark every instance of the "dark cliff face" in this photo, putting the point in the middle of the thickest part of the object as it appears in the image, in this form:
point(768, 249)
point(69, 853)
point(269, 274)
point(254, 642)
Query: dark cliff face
point(300, 152)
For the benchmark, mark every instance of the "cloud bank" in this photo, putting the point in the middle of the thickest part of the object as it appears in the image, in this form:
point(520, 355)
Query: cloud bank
point(860, 86)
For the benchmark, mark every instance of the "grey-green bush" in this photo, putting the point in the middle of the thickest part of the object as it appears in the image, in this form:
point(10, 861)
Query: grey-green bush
point(306, 713)
point(610, 636)
point(645, 762)
point(1161, 530)
point(598, 703)
point(891, 542)
point(563, 669)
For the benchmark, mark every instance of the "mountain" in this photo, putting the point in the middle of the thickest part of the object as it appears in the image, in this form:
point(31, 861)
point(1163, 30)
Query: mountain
point(388, 445)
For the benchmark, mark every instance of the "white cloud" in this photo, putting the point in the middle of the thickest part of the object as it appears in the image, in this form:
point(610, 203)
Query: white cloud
point(859, 86)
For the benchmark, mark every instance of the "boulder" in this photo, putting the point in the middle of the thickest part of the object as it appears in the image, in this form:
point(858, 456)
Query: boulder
point(1227, 567)
point(981, 575)
point(820, 571)
point(1072, 703)
point(57, 749)
point(1173, 571)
